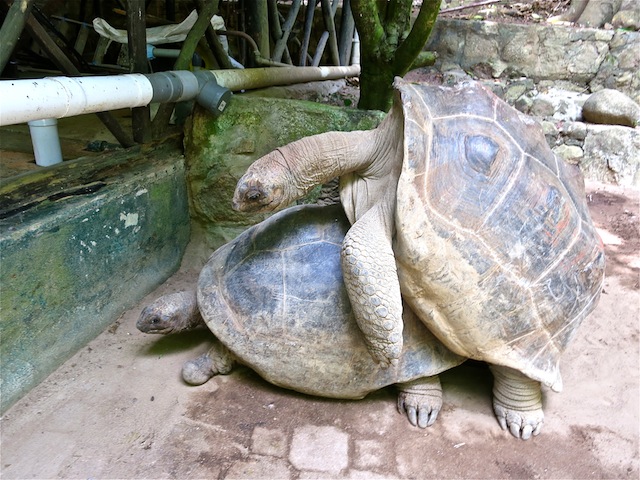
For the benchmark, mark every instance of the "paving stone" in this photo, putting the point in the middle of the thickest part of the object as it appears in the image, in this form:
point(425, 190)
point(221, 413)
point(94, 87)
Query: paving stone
point(259, 467)
point(269, 442)
point(324, 449)
point(366, 475)
point(369, 453)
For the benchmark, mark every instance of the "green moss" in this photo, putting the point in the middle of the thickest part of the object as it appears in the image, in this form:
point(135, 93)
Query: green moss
point(218, 151)
point(72, 264)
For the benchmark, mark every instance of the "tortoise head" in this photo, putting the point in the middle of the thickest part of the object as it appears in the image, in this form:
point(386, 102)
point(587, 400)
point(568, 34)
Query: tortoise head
point(170, 313)
point(266, 186)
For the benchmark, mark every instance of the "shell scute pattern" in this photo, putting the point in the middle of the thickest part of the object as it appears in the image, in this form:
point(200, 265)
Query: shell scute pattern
point(292, 284)
point(503, 221)
point(280, 305)
point(463, 188)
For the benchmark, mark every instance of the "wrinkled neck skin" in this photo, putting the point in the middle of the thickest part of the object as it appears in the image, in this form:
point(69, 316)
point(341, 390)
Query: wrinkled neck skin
point(377, 180)
point(368, 161)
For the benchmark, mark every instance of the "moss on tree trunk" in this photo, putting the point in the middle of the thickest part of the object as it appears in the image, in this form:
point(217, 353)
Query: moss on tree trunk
point(391, 45)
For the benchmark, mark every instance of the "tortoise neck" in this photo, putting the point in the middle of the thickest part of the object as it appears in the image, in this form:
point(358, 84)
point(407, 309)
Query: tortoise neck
point(316, 160)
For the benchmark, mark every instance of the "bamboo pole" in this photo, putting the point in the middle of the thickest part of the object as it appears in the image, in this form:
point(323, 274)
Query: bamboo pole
point(12, 28)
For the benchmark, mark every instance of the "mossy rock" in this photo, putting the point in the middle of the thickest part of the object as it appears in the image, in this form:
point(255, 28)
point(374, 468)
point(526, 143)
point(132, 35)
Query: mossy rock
point(218, 151)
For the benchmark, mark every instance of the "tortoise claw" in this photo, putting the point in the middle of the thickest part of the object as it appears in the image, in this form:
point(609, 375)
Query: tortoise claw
point(421, 401)
point(517, 402)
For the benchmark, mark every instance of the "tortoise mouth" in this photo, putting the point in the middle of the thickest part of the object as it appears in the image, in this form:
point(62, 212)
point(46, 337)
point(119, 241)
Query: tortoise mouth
point(154, 327)
point(255, 202)
point(162, 331)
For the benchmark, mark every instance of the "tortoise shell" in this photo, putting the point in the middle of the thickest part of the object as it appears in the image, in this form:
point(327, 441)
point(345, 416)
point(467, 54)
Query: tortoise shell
point(495, 246)
point(275, 297)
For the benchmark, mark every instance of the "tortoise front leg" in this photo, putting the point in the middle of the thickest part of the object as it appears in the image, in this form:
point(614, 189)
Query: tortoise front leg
point(217, 361)
point(420, 400)
point(517, 402)
point(371, 279)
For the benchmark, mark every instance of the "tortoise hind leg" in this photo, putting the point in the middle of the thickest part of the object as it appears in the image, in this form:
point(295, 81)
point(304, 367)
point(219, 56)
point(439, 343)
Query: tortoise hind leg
point(517, 402)
point(218, 360)
point(420, 400)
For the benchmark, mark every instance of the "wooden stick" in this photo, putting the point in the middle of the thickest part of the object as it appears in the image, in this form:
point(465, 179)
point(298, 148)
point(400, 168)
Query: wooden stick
point(12, 28)
point(308, 24)
point(138, 63)
point(464, 7)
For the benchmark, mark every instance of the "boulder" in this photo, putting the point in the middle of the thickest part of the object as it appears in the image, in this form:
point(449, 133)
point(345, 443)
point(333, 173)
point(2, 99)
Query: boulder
point(612, 155)
point(219, 150)
point(620, 69)
point(611, 107)
point(627, 19)
point(570, 153)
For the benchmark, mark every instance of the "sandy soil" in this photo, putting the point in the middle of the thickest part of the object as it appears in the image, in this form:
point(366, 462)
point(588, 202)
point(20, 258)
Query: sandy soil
point(118, 408)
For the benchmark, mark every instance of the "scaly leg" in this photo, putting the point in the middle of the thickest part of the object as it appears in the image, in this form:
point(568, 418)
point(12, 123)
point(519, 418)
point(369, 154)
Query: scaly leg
point(217, 361)
point(517, 402)
point(371, 280)
point(420, 400)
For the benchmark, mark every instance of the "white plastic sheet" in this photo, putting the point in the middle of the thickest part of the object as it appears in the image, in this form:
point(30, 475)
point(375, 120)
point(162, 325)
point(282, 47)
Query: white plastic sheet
point(159, 35)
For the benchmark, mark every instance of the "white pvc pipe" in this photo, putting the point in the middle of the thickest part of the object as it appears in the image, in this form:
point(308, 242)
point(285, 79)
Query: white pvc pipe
point(58, 97)
point(45, 140)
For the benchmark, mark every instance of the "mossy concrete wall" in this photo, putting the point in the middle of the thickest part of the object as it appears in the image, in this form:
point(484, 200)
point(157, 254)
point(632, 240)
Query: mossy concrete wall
point(218, 151)
point(79, 244)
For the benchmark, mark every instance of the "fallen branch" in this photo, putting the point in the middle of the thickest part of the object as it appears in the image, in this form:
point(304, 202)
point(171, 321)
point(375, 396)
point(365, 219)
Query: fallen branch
point(464, 7)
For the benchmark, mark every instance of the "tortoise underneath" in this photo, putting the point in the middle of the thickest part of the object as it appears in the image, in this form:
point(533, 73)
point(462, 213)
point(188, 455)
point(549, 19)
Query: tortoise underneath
point(275, 301)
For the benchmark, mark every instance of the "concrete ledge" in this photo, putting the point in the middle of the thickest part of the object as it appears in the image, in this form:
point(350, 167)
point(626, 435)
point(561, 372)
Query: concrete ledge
point(79, 244)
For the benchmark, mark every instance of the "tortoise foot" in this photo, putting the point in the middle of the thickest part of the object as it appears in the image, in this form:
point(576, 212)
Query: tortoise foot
point(198, 371)
point(517, 402)
point(217, 361)
point(420, 400)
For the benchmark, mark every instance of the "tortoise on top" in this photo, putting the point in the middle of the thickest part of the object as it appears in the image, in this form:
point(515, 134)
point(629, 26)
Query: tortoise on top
point(275, 300)
point(457, 200)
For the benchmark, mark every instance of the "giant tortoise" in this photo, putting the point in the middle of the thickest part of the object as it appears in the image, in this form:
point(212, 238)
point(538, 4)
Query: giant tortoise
point(457, 202)
point(275, 299)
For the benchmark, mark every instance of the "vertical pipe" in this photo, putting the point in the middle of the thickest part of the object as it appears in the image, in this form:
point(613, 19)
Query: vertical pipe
point(45, 141)
point(308, 25)
point(330, 25)
point(137, 41)
point(347, 26)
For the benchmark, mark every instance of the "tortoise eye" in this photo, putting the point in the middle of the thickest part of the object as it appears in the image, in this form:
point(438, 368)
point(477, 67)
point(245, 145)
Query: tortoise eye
point(253, 195)
point(481, 152)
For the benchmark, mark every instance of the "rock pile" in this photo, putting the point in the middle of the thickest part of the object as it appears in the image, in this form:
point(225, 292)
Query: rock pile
point(582, 84)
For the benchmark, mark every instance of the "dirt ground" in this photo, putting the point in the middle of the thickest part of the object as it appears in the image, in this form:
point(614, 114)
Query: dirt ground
point(118, 408)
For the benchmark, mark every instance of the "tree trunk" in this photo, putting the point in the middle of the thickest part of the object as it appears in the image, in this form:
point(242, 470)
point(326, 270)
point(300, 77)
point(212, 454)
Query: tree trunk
point(376, 80)
point(390, 45)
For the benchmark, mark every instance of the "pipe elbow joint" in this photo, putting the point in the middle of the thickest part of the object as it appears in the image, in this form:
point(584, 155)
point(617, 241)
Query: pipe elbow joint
point(211, 96)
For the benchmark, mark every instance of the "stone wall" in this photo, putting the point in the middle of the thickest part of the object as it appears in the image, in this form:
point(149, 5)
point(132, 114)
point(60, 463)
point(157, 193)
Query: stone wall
point(549, 72)
point(590, 57)
point(80, 243)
